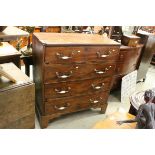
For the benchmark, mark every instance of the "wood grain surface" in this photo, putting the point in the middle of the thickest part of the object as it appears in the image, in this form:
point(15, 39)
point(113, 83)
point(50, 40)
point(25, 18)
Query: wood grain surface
point(73, 38)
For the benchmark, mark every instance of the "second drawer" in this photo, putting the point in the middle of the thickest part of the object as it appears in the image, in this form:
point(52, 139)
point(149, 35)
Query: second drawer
point(64, 89)
point(64, 72)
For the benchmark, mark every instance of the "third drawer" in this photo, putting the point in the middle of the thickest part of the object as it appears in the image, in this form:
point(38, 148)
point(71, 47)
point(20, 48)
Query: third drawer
point(75, 88)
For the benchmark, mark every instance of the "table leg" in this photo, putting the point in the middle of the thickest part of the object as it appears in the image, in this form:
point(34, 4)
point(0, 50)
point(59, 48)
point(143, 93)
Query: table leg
point(27, 69)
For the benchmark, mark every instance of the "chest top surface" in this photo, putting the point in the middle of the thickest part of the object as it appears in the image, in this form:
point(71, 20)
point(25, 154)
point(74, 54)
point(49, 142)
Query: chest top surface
point(73, 39)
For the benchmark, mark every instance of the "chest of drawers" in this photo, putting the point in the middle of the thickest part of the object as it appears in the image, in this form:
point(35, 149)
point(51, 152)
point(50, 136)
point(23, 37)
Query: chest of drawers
point(72, 72)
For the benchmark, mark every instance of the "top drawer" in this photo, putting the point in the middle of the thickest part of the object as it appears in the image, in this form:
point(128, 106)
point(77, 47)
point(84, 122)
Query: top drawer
point(80, 54)
point(64, 55)
point(102, 53)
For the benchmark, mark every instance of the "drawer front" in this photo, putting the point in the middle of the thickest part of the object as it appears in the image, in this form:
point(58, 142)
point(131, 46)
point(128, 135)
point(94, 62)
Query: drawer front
point(72, 104)
point(66, 89)
point(130, 56)
point(102, 53)
point(63, 55)
point(72, 72)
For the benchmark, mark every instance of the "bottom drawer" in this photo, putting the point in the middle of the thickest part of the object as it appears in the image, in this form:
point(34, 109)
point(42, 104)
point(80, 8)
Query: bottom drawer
point(72, 104)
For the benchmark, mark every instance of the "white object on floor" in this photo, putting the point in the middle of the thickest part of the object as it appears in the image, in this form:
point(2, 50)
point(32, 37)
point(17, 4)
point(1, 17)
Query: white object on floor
point(128, 86)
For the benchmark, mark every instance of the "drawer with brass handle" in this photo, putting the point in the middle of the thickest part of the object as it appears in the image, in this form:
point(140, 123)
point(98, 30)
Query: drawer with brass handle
point(72, 104)
point(105, 53)
point(64, 72)
point(64, 55)
point(76, 88)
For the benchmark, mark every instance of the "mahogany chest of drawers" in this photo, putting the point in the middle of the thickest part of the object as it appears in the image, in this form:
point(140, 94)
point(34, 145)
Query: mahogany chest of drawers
point(72, 72)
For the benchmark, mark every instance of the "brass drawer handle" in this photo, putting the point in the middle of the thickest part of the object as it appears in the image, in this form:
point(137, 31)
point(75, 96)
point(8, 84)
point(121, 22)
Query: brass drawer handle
point(62, 107)
point(97, 87)
point(102, 72)
point(107, 54)
point(62, 91)
point(95, 101)
point(63, 57)
point(64, 76)
point(99, 72)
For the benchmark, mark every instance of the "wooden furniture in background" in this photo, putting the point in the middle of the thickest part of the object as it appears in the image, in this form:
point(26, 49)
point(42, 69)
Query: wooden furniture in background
point(115, 32)
point(23, 40)
point(54, 29)
point(9, 54)
point(17, 101)
point(130, 40)
point(72, 72)
point(128, 62)
point(111, 122)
